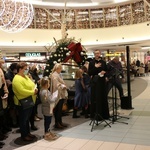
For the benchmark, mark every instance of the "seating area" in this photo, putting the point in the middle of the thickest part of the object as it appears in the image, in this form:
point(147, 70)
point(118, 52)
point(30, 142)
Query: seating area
point(141, 71)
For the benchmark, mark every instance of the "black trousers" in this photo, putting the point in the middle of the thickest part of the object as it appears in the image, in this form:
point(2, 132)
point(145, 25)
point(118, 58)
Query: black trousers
point(99, 102)
point(58, 112)
point(31, 119)
point(117, 83)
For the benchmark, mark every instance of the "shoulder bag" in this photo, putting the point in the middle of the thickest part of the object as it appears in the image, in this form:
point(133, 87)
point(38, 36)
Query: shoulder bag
point(26, 102)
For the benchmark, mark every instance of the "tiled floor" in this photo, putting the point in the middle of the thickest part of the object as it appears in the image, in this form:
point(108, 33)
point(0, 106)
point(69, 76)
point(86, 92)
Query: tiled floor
point(132, 136)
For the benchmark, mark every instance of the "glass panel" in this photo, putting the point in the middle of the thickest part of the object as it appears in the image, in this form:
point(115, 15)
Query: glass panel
point(97, 20)
point(138, 12)
point(125, 15)
point(110, 15)
point(82, 19)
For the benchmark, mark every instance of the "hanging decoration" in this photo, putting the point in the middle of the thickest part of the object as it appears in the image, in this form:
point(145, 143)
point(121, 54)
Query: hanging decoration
point(15, 15)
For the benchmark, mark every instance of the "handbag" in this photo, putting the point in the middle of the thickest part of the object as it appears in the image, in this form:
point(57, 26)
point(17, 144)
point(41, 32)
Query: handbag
point(26, 102)
point(64, 107)
point(4, 103)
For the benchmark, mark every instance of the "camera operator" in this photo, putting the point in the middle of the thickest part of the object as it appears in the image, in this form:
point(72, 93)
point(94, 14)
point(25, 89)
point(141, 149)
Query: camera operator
point(114, 74)
point(96, 70)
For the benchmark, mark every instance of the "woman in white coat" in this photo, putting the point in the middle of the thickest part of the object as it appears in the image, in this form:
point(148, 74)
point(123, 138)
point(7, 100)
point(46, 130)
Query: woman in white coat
point(57, 83)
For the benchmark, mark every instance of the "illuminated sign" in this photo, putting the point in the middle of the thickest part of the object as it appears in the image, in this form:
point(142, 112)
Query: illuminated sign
point(32, 54)
point(112, 55)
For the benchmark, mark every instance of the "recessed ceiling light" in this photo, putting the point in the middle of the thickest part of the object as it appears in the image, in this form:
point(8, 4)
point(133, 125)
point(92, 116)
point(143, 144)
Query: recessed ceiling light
point(119, 1)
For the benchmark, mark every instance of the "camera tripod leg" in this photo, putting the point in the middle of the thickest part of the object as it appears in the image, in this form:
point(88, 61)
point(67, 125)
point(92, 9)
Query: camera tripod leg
point(115, 118)
point(115, 105)
point(96, 119)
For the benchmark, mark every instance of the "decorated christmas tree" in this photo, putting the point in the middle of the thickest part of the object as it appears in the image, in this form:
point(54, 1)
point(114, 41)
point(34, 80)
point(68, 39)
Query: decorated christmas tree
point(64, 50)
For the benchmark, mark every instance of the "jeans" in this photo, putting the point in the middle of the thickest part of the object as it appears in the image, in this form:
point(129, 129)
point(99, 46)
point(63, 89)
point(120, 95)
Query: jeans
point(47, 122)
point(24, 116)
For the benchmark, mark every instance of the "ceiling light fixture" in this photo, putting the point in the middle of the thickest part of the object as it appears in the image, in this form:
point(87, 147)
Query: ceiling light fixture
point(15, 15)
point(56, 4)
point(119, 1)
point(145, 47)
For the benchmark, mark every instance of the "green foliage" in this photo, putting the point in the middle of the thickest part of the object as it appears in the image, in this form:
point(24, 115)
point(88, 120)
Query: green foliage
point(61, 52)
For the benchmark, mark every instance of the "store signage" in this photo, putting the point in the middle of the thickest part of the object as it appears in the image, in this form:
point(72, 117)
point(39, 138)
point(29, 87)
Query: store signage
point(112, 55)
point(32, 54)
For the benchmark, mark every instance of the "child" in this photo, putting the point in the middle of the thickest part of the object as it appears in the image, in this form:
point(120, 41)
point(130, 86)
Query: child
point(79, 92)
point(87, 93)
point(47, 104)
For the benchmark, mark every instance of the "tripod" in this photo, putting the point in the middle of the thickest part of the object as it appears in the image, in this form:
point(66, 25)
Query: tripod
point(98, 119)
point(115, 116)
point(99, 103)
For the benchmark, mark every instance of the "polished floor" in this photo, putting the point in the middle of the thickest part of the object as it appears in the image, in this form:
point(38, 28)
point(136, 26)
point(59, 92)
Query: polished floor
point(120, 136)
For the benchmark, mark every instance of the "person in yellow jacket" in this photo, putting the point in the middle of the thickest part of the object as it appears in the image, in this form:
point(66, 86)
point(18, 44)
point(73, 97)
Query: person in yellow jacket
point(23, 87)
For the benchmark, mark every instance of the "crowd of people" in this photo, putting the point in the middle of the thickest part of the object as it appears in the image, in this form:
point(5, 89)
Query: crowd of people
point(92, 85)
point(22, 81)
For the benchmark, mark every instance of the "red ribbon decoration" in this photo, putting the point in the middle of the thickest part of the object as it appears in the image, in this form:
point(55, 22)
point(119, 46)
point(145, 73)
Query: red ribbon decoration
point(75, 49)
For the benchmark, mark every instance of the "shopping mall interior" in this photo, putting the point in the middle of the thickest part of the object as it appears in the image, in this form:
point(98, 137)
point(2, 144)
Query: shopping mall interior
point(33, 30)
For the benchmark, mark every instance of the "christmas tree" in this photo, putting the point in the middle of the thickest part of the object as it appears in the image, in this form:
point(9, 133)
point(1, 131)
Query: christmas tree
point(64, 50)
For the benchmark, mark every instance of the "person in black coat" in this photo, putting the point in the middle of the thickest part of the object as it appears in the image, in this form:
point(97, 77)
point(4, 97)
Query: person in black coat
point(97, 70)
point(12, 111)
point(34, 75)
point(138, 63)
point(115, 75)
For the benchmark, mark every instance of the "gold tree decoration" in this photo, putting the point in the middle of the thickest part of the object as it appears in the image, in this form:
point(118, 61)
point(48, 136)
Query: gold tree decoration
point(64, 49)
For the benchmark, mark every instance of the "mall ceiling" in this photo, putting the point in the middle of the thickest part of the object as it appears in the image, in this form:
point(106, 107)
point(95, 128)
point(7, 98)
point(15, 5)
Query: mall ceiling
point(136, 45)
point(95, 3)
point(77, 3)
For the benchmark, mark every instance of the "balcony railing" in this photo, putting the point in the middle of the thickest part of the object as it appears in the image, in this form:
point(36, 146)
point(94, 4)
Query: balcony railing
point(125, 14)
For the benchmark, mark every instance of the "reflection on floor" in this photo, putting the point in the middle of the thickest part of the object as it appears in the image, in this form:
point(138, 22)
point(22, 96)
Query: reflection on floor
point(78, 136)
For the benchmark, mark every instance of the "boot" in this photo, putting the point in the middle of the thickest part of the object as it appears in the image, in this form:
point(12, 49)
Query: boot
point(75, 114)
point(86, 113)
point(83, 111)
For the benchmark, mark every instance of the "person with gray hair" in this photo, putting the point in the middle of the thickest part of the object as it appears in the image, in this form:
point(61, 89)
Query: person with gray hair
point(114, 74)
